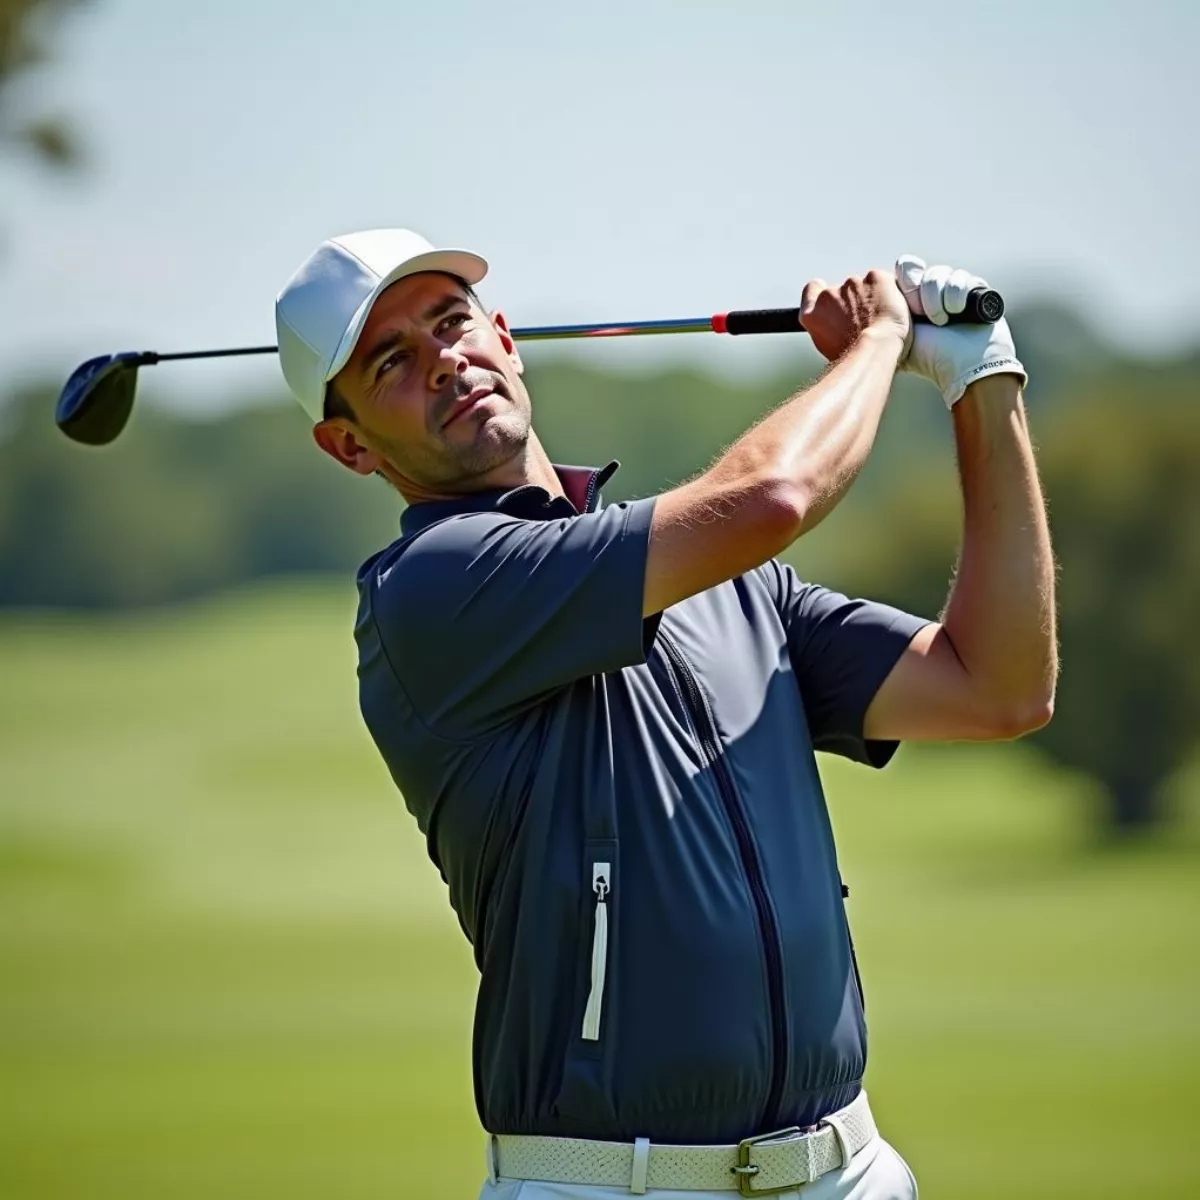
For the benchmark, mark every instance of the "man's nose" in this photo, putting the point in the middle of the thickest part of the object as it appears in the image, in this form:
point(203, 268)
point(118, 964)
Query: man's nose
point(447, 363)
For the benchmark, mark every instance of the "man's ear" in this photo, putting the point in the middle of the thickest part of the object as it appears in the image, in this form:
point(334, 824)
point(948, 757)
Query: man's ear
point(340, 441)
point(506, 340)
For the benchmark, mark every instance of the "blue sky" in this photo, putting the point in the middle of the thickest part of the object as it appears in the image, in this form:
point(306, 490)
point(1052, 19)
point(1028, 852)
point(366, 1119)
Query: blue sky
point(616, 161)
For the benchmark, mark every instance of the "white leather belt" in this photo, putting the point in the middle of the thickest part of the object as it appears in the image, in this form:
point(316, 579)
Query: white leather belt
point(757, 1166)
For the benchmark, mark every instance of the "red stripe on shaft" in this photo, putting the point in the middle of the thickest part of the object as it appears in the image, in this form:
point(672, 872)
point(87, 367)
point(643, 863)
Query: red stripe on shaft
point(718, 323)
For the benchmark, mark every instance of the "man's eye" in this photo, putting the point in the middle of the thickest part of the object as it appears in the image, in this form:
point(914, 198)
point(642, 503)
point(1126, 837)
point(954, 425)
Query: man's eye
point(392, 360)
point(453, 321)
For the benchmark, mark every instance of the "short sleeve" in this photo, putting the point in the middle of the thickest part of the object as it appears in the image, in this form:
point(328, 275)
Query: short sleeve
point(484, 614)
point(841, 651)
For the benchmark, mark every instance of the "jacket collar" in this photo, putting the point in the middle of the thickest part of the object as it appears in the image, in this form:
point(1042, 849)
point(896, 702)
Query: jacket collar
point(529, 501)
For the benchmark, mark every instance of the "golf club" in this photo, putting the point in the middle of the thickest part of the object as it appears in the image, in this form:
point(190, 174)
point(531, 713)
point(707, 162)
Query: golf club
point(96, 402)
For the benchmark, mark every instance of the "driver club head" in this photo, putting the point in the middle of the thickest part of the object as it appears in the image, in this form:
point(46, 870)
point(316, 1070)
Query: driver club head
point(96, 401)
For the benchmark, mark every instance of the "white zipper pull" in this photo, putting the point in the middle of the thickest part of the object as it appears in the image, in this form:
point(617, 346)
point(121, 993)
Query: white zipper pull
point(602, 886)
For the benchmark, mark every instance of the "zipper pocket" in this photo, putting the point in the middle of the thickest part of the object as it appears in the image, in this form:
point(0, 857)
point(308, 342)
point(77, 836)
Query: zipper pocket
point(862, 999)
point(601, 886)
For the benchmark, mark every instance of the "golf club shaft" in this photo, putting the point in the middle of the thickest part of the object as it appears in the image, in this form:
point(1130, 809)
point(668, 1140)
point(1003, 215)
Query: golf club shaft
point(150, 356)
point(542, 333)
point(535, 333)
point(983, 306)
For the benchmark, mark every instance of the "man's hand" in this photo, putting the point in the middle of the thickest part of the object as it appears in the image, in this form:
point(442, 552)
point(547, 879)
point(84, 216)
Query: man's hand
point(954, 357)
point(837, 319)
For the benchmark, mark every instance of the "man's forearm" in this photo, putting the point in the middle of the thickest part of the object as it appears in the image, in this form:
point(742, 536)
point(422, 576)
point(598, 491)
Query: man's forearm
point(775, 482)
point(817, 442)
point(1001, 613)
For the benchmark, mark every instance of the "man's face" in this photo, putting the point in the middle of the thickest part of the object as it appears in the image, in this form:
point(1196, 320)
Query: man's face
point(435, 387)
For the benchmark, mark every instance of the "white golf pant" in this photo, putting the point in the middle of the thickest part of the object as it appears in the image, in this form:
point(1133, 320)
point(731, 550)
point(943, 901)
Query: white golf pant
point(876, 1172)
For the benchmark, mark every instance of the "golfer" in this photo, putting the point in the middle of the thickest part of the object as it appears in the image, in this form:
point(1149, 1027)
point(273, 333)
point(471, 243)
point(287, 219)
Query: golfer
point(604, 717)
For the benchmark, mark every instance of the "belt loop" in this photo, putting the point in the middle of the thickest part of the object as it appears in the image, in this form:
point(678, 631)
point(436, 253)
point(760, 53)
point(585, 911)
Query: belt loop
point(641, 1166)
point(493, 1159)
point(837, 1123)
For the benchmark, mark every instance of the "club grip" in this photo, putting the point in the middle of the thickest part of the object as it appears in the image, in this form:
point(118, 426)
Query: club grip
point(985, 306)
point(759, 320)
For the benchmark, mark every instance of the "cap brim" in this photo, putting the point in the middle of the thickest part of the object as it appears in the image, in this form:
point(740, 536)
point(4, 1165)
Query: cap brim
point(467, 266)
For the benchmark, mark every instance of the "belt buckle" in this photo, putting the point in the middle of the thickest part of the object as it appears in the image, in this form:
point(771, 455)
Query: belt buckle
point(746, 1170)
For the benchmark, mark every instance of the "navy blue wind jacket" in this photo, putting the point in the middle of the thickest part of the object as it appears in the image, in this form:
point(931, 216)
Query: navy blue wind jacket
point(627, 812)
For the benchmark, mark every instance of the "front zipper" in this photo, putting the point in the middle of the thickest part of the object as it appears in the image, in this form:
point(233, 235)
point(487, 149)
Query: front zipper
point(709, 741)
point(602, 887)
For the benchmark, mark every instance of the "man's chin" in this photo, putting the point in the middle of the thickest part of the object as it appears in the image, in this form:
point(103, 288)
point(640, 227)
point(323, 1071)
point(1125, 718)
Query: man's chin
point(498, 440)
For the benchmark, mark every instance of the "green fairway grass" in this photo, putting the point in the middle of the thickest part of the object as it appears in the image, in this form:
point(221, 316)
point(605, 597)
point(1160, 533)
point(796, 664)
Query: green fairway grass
point(227, 968)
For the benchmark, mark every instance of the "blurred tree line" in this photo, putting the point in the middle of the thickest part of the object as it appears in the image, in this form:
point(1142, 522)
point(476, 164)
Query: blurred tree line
point(177, 508)
point(26, 30)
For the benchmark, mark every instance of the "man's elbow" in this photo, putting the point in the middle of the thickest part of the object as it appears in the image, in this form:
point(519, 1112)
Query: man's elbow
point(1013, 720)
point(767, 510)
point(776, 509)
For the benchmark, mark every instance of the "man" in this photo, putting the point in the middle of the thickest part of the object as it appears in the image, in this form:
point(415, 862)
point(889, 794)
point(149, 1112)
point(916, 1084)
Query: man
point(604, 718)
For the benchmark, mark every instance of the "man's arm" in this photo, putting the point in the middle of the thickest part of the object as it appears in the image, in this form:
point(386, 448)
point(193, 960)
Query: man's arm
point(783, 476)
point(989, 669)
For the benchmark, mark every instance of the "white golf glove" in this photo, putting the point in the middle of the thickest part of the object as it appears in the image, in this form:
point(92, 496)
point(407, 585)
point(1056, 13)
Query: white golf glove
point(955, 356)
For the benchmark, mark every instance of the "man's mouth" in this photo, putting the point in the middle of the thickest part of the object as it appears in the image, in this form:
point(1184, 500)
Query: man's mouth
point(467, 403)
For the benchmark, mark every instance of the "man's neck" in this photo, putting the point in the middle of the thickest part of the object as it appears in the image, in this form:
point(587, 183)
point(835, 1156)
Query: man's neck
point(537, 469)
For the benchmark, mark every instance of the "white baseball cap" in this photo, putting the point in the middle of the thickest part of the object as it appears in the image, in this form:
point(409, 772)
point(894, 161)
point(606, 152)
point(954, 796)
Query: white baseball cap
point(320, 314)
